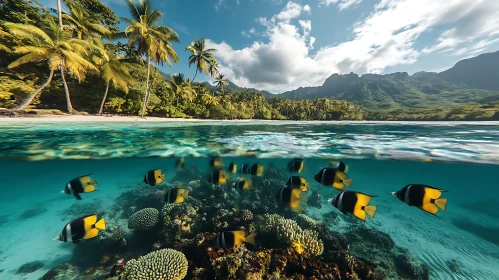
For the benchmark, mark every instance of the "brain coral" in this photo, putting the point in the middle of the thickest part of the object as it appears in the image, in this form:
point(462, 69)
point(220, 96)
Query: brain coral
point(165, 264)
point(144, 219)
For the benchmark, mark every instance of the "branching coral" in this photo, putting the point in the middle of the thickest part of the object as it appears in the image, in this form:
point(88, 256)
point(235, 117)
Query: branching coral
point(306, 241)
point(165, 264)
point(144, 219)
point(308, 223)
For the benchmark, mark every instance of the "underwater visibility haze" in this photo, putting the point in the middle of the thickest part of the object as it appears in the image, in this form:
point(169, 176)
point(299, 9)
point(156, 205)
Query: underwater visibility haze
point(249, 200)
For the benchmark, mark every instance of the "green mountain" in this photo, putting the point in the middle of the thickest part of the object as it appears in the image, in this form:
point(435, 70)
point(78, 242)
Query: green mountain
point(401, 90)
point(478, 72)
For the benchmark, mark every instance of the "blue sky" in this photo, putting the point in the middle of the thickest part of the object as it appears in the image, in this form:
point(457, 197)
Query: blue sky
point(280, 45)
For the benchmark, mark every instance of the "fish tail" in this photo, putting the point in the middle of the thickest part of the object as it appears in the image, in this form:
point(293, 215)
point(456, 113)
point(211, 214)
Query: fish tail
point(101, 224)
point(185, 194)
point(259, 170)
point(163, 176)
point(250, 238)
point(93, 182)
point(370, 210)
point(441, 203)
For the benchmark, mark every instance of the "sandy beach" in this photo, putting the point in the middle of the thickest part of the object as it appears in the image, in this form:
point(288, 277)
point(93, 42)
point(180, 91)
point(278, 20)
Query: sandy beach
point(87, 118)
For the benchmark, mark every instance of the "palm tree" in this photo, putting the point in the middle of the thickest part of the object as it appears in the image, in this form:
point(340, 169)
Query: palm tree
point(57, 48)
point(150, 39)
point(181, 88)
point(4, 34)
point(221, 82)
point(113, 70)
point(213, 68)
point(200, 56)
point(84, 24)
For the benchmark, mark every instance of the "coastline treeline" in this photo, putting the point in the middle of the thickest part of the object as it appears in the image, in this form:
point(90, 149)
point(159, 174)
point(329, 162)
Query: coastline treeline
point(80, 61)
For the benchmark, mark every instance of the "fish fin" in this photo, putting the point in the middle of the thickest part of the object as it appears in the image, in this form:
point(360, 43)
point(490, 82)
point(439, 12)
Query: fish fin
point(185, 194)
point(334, 163)
point(361, 214)
point(339, 186)
point(341, 175)
point(431, 193)
point(101, 224)
point(430, 208)
point(441, 203)
point(348, 182)
point(91, 233)
point(89, 188)
point(370, 210)
point(163, 177)
point(250, 238)
point(94, 183)
point(346, 168)
point(77, 196)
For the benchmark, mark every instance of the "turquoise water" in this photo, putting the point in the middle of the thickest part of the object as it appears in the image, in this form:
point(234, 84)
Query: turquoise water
point(37, 160)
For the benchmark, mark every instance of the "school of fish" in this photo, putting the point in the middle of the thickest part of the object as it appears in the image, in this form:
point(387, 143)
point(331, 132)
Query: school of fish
point(292, 195)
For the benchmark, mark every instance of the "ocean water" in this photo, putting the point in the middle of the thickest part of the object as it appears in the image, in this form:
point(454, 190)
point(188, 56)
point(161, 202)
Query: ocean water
point(38, 159)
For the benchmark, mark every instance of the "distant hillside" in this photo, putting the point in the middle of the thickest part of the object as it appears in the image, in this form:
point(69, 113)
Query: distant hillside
point(421, 90)
point(478, 72)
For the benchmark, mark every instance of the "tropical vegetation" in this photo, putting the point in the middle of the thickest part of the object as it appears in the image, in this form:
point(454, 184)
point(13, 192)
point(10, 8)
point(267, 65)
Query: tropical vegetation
point(80, 61)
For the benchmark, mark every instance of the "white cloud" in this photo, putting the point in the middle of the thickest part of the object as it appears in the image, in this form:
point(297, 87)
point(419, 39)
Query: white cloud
point(342, 4)
point(252, 30)
point(245, 34)
point(306, 8)
point(386, 37)
point(218, 5)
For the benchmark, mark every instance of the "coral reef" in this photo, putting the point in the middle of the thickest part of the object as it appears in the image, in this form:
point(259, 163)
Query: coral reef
point(288, 231)
point(165, 264)
point(114, 233)
point(306, 222)
point(77, 208)
point(225, 219)
point(29, 267)
point(144, 219)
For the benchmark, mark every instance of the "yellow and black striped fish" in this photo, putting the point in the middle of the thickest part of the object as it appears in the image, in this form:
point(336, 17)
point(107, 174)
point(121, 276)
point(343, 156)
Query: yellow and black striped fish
point(229, 239)
point(243, 184)
point(218, 177)
point(232, 168)
point(154, 177)
point(333, 177)
point(81, 228)
point(255, 169)
point(341, 166)
point(216, 162)
point(82, 184)
point(423, 197)
point(291, 198)
point(356, 203)
point(296, 165)
point(297, 182)
point(176, 195)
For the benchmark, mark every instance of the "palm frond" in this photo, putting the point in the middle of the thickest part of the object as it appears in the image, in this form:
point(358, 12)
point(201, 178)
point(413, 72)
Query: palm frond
point(31, 49)
point(28, 31)
point(30, 57)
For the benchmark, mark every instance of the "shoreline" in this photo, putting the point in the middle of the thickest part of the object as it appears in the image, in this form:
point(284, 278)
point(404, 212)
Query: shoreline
point(92, 118)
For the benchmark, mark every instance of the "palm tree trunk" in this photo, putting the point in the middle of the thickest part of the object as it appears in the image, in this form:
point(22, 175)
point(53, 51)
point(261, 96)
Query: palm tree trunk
point(147, 86)
point(28, 100)
point(103, 99)
point(59, 8)
point(66, 89)
point(195, 74)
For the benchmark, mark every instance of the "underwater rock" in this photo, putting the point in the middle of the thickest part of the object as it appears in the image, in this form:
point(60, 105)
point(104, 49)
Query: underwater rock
point(314, 200)
point(144, 219)
point(455, 266)
point(187, 174)
point(379, 249)
point(30, 213)
point(138, 198)
point(51, 274)
point(180, 220)
point(114, 233)
point(165, 264)
point(30, 267)
point(76, 209)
